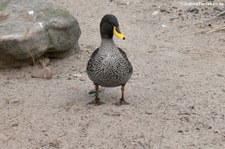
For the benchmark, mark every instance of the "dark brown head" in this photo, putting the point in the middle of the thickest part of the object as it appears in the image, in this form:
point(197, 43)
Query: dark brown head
point(109, 26)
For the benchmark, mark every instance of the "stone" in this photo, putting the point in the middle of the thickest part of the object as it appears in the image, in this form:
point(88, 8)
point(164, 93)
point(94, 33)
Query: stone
point(45, 73)
point(194, 10)
point(77, 75)
point(30, 29)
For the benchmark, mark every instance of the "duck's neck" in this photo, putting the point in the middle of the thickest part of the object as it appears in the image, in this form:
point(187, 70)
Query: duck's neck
point(107, 43)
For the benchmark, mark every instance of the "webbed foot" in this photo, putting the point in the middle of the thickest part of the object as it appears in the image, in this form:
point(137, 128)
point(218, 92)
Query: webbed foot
point(121, 102)
point(96, 102)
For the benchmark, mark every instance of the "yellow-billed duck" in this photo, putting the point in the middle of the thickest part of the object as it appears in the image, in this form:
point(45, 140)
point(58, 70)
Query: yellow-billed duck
point(109, 65)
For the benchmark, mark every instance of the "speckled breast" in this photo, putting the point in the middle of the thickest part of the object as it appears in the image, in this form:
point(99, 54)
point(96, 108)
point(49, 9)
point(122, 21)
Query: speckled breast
point(109, 70)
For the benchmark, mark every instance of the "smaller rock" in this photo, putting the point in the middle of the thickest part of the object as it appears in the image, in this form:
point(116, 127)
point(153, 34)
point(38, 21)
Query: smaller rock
point(175, 7)
point(155, 13)
point(15, 101)
point(15, 126)
point(163, 10)
point(72, 76)
point(216, 132)
point(77, 75)
point(219, 75)
point(45, 73)
point(181, 75)
point(180, 14)
point(69, 78)
point(148, 113)
point(194, 10)
point(117, 114)
point(172, 19)
point(82, 79)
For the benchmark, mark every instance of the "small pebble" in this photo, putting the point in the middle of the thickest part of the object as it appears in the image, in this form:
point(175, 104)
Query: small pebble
point(69, 78)
point(82, 79)
point(155, 12)
point(194, 10)
point(77, 75)
point(45, 73)
point(163, 10)
point(172, 19)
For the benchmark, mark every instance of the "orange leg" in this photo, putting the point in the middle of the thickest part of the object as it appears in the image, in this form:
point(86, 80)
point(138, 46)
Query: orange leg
point(97, 99)
point(122, 100)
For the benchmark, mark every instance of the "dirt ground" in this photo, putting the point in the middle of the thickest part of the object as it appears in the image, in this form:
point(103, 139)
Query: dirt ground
point(176, 94)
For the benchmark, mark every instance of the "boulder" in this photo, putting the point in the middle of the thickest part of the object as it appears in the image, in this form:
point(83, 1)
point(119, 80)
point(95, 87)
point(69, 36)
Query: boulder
point(30, 29)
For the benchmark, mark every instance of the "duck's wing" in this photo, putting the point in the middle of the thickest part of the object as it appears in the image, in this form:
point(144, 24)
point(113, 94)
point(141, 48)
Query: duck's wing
point(94, 53)
point(90, 62)
point(123, 53)
point(129, 66)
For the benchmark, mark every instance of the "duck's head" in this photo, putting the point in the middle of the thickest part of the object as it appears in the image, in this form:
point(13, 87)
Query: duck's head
point(109, 26)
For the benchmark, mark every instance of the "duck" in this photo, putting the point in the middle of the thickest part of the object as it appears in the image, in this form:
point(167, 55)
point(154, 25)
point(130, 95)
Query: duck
point(108, 65)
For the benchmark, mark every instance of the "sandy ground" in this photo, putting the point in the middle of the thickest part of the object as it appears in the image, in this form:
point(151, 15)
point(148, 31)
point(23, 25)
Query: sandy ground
point(176, 94)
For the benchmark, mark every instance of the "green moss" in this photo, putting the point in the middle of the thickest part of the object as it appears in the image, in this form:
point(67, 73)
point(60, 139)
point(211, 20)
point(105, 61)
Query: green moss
point(4, 4)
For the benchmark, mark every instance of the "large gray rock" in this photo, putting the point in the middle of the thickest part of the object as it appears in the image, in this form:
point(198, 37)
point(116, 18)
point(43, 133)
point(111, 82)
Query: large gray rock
point(30, 29)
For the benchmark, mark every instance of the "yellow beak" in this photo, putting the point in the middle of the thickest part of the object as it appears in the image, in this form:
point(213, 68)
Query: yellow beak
point(118, 35)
